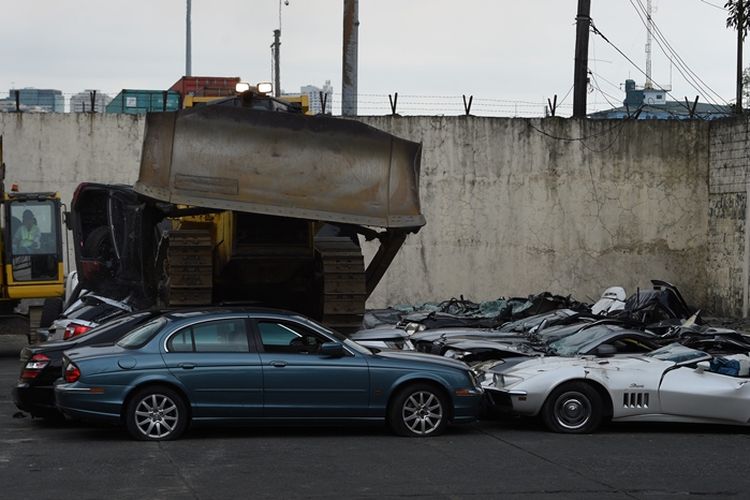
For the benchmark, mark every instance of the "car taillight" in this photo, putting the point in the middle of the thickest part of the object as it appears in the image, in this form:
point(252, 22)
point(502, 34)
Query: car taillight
point(34, 366)
point(72, 373)
point(73, 330)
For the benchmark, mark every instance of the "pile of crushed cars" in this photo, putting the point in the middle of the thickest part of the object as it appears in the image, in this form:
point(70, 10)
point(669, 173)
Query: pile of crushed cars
point(549, 325)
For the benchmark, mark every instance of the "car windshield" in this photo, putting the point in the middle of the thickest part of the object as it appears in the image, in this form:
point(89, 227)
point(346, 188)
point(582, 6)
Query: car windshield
point(677, 353)
point(141, 335)
point(572, 344)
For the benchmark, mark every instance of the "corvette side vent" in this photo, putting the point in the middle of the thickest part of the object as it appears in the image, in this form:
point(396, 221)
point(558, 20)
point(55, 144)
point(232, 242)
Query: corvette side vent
point(635, 400)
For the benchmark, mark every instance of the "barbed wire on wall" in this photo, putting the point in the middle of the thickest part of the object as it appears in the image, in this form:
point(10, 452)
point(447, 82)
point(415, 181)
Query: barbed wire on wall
point(413, 104)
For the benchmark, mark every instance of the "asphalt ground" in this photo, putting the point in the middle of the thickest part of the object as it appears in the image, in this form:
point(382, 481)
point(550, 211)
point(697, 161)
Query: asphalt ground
point(517, 459)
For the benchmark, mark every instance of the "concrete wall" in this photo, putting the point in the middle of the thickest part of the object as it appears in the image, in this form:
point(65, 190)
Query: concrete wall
point(727, 236)
point(56, 151)
point(519, 206)
point(513, 206)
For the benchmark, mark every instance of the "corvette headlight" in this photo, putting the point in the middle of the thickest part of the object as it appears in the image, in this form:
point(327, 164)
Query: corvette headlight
point(502, 380)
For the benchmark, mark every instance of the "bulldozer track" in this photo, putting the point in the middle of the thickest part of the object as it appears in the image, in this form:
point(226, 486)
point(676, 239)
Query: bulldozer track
point(344, 285)
point(189, 267)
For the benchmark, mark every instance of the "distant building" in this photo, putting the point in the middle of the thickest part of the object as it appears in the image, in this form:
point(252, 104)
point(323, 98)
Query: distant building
point(652, 104)
point(81, 102)
point(313, 94)
point(132, 101)
point(35, 100)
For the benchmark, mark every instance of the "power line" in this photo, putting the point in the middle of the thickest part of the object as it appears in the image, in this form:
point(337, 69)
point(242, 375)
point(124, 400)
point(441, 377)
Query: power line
point(597, 32)
point(692, 78)
point(713, 5)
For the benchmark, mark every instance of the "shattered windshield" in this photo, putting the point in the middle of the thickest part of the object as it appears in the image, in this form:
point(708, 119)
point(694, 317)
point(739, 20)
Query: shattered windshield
point(677, 353)
point(572, 344)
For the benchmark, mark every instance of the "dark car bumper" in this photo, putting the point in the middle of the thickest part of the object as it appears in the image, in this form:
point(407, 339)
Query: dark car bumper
point(85, 403)
point(39, 401)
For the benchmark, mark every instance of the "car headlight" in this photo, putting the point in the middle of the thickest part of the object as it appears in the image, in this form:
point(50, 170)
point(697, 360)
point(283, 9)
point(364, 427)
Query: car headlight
point(503, 380)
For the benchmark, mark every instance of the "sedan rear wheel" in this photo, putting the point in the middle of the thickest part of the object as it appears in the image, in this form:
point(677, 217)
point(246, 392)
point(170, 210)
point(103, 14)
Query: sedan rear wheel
point(420, 410)
point(574, 408)
point(156, 414)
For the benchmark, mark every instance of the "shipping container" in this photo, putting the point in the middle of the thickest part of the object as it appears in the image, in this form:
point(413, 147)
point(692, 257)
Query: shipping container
point(206, 86)
point(135, 101)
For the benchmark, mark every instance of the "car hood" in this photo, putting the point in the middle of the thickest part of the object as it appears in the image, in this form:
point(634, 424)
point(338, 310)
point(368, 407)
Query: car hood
point(532, 366)
point(420, 357)
point(437, 333)
point(380, 334)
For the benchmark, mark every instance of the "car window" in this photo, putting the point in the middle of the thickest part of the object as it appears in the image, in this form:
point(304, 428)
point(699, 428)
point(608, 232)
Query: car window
point(228, 335)
point(279, 336)
point(142, 335)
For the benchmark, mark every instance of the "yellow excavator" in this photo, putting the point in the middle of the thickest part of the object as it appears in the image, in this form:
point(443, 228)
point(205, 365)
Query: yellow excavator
point(32, 257)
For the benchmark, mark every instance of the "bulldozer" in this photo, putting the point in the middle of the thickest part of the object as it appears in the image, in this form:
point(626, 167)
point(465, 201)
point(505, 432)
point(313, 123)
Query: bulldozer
point(32, 258)
point(247, 200)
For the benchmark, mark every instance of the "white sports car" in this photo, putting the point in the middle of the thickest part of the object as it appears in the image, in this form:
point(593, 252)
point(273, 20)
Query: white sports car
point(574, 395)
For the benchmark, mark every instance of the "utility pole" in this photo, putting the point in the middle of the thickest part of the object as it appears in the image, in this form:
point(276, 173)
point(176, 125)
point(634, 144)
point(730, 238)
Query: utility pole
point(740, 38)
point(188, 51)
point(276, 63)
point(580, 77)
point(349, 60)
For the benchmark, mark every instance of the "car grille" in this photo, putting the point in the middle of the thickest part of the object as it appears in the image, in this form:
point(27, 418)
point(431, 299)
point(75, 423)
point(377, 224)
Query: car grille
point(635, 400)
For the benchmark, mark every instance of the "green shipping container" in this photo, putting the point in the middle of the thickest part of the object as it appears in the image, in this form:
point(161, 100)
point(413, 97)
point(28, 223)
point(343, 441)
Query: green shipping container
point(143, 101)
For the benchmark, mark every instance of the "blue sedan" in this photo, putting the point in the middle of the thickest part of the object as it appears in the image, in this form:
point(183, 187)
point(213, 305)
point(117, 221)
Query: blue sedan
point(258, 365)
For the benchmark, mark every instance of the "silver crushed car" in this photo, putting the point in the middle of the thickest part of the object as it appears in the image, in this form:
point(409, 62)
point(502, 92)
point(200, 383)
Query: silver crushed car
point(575, 395)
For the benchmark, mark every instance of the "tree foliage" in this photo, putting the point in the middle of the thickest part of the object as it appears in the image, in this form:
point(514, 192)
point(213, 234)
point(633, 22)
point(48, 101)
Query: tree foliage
point(733, 9)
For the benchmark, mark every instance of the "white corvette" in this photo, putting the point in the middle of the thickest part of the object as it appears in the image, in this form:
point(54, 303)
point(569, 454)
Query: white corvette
point(574, 395)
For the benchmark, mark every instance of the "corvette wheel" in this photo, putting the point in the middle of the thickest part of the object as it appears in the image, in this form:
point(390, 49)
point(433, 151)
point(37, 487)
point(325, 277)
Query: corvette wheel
point(156, 414)
point(420, 410)
point(574, 408)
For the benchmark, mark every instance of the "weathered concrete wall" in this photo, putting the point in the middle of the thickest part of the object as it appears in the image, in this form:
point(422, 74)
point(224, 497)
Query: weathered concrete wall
point(513, 206)
point(727, 238)
point(56, 152)
point(518, 206)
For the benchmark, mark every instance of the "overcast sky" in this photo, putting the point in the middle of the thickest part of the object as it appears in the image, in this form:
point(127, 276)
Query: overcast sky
point(500, 51)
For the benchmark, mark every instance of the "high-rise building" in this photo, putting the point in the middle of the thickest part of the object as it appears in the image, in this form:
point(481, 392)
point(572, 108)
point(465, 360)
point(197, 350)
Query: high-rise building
point(81, 102)
point(314, 93)
point(31, 99)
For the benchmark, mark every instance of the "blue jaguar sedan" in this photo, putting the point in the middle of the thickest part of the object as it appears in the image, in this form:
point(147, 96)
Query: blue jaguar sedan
point(250, 365)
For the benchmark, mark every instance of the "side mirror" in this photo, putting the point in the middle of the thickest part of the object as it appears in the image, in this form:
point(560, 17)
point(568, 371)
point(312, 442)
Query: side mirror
point(332, 349)
point(702, 366)
point(606, 351)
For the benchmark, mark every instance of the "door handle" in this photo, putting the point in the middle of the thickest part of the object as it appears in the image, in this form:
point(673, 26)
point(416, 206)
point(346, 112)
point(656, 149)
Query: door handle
point(278, 364)
point(187, 366)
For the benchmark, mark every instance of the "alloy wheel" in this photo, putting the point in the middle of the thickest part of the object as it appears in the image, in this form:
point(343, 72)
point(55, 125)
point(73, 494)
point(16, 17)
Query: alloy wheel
point(156, 416)
point(422, 412)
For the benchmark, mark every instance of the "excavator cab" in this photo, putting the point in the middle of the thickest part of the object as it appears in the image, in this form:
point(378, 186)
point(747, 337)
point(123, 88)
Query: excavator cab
point(32, 236)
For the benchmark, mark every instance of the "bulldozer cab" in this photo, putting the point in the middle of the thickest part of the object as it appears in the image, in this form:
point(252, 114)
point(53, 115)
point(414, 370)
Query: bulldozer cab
point(33, 264)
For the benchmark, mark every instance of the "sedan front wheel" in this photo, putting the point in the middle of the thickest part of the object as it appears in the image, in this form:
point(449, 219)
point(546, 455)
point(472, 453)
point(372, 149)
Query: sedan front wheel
point(156, 414)
point(419, 410)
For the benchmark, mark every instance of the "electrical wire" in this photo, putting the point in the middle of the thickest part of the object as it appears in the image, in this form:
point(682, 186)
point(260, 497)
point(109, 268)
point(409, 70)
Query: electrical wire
point(682, 67)
point(597, 32)
point(714, 5)
point(604, 94)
